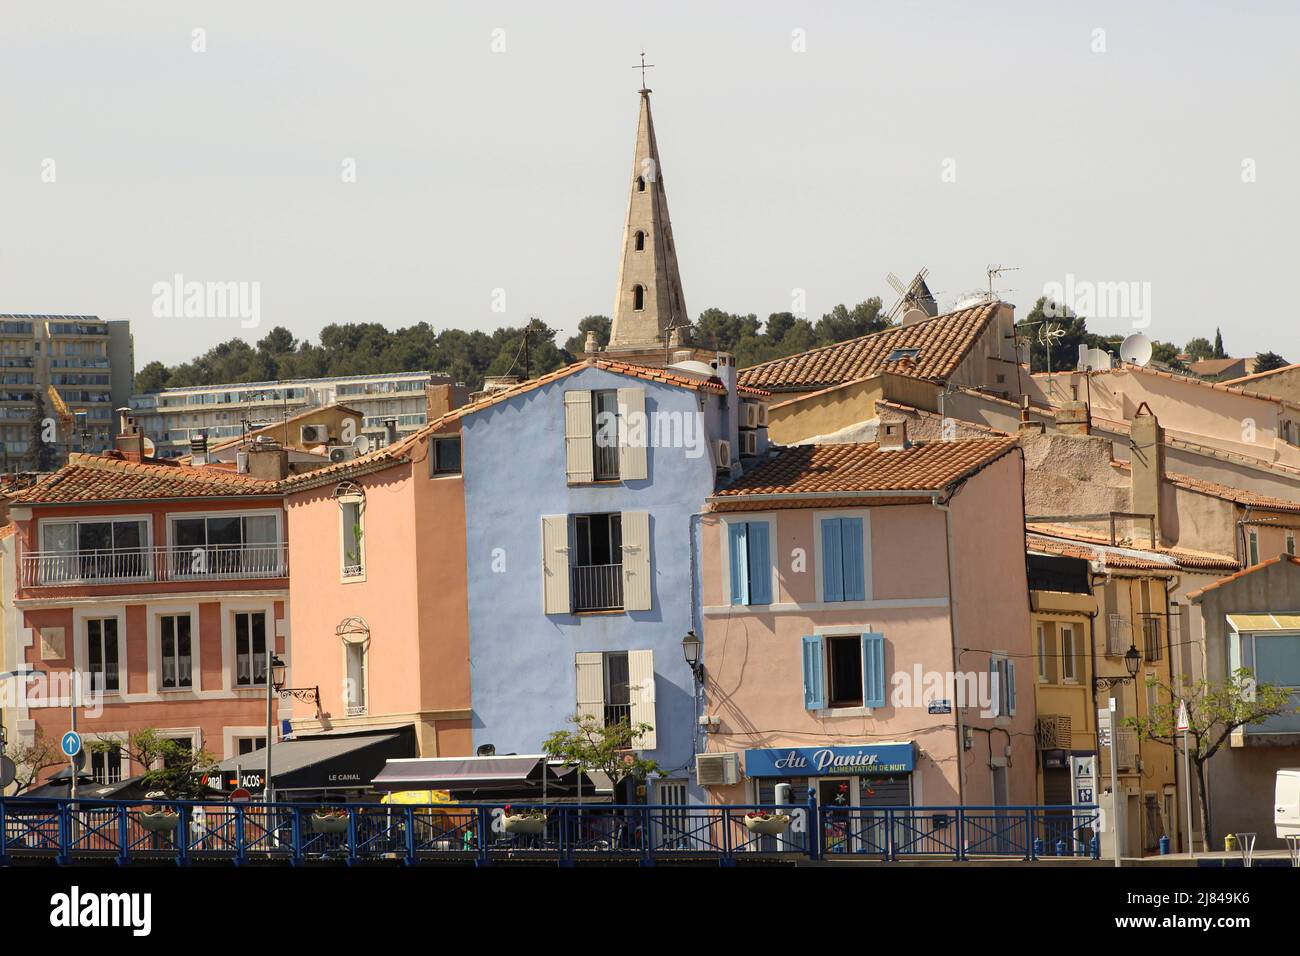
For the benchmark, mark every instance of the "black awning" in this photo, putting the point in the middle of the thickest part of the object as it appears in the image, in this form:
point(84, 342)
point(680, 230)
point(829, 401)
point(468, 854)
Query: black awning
point(58, 787)
point(327, 761)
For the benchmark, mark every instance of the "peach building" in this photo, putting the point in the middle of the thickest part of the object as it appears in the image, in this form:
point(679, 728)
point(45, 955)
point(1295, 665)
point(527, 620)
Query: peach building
point(867, 627)
point(378, 593)
point(162, 586)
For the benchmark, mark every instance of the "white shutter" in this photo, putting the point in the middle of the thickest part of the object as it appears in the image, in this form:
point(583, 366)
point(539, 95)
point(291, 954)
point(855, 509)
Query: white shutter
point(636, 560)
point(632, 424)
point(577, 435)
point(641, 681)
point(555, 564)
point(591, 686)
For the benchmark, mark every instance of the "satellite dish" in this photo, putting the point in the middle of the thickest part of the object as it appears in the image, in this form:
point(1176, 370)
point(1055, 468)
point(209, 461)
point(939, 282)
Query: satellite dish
point(361, 444)
point(150, 449)
point(1135, 350)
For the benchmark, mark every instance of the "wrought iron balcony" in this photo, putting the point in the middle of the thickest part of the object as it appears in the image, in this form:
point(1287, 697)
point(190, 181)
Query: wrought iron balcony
point(597, 587)
point(143, 565)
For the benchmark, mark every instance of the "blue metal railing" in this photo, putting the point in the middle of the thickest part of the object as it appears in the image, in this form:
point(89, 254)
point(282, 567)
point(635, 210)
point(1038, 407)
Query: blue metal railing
point(185, 831)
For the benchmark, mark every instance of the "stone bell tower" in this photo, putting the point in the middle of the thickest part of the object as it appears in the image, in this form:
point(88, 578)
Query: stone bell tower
point(649, 316)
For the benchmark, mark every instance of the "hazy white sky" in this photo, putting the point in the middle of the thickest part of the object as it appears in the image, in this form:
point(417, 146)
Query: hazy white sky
point(477, 170)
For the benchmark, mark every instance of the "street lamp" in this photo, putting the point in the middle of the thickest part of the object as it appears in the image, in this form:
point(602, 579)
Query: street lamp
point(274, 679)
point(1132, 660)
point(691, 646)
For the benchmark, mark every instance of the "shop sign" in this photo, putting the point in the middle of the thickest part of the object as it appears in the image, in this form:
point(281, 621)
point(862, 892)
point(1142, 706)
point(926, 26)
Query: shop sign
point(881, 760)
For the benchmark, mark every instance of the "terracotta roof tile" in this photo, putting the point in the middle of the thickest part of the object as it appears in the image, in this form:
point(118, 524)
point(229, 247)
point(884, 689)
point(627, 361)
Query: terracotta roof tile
point(851, 468)
point(1075, 543)
point(1195, 595)
point(943, 341)
point(1256, 376)
point(106, 478)
point(1241, 496)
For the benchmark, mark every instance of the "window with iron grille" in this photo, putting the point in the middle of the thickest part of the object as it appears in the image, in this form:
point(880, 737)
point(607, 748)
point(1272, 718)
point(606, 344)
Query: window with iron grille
point(596, 572)
point(1152, 637)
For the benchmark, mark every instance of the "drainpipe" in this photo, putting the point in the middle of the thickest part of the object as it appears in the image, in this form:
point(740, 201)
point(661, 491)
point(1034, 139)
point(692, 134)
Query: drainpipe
point(952, 631)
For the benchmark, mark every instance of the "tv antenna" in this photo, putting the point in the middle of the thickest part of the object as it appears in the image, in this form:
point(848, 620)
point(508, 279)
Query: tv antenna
point(995, 272)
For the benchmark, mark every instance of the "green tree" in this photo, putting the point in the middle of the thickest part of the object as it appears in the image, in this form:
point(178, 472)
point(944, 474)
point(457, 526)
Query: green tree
point(608, 749)
point(1214, 711)
point(1218, 345)
point(1054, 333)
point(1267, 361)
point(31, 758)
point(152, 378)
point(842, 323)
point(174, 768)
point(1199, 348)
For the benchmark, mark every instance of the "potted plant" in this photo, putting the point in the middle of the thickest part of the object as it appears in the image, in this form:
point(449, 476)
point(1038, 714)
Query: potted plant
point(329, 820)
point(159, 819)
point(529, 821)
point(768, 824)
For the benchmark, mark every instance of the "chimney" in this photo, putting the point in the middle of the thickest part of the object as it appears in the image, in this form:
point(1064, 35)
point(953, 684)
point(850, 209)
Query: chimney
point(591, 344)
point(199, 449)
point(1147, 455)
point(1072, 418)
point(267, 460)
point(892, 435)
point(390, 431)
point(129, 440)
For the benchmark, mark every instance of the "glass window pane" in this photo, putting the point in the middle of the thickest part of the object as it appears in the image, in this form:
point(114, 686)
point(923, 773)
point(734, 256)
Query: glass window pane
point(1277, 660)
point(61, 536)
point(259, 529)
point(189, 532)
point(95, 536)
point(224, 531)
point(128, 535)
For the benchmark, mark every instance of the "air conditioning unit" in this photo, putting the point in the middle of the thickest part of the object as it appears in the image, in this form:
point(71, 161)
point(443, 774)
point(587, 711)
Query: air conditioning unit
point(717, 770)
point(722, 452)
point(762, 414)
point(748, 414)
point(314, 434)
point(748, 444)
point(342, 453)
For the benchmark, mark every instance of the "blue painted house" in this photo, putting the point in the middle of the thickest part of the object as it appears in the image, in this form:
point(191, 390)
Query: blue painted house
point(583, 495)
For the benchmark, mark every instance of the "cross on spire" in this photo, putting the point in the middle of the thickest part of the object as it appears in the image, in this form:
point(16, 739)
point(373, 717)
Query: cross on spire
point(643, 67)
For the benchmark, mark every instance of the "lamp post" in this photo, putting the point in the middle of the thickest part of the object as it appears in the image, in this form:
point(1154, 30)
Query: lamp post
point(691, 646)
point(274, 680)
point(1132, 664)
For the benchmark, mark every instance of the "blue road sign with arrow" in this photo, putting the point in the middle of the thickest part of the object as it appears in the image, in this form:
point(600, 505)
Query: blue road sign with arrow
point(71, 743)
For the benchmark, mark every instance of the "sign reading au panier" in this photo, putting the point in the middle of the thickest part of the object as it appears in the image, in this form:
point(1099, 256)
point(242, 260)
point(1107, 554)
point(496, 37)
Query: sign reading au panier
point(830, 761)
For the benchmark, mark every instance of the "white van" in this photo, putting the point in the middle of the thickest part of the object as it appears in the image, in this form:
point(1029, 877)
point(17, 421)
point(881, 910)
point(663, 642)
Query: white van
point(1286, 803)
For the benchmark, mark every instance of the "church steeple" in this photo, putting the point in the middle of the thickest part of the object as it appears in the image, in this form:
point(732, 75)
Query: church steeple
point(649, 310)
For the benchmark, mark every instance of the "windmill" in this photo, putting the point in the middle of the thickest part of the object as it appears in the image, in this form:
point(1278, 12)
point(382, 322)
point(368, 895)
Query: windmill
point(915, 301)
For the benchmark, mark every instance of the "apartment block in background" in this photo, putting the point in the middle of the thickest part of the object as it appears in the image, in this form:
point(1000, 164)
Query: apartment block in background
point(393, 402)
point(89, 362)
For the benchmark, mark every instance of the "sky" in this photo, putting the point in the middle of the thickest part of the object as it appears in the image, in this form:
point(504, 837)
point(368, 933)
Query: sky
point(467, 164)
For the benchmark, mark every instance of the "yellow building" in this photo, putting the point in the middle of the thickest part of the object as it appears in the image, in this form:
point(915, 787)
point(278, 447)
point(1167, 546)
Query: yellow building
point(1102, 625)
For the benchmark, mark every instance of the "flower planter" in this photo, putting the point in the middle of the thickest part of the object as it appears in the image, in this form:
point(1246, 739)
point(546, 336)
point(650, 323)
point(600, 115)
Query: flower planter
point(159, 821)
point(768, 826)
point(328, 823)
point(528, 826)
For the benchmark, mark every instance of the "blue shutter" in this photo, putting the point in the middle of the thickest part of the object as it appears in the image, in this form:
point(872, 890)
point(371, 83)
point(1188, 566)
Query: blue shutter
point(814, 679)
point(873, 670)
point(760, 564)
point(1011, 687)
point(832, 561)
point(739, 563)
point(855, 580)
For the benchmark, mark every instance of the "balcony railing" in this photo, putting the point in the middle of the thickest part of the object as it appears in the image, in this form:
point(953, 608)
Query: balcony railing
point(614, 713)
point(130, 565)
point(1119, 635)
point(597, 587)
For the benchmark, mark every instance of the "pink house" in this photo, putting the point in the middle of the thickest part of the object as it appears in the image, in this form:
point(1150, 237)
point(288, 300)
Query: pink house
point(379, 593)
point(866, 627)
point(161, 585)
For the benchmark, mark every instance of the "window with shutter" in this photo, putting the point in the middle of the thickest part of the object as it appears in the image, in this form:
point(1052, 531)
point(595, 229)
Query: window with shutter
point(578, 444)
point(873, 670)
point(641, 684)
point(750, 562)
point(633, 434)
point(591, 685)
point(814, 674)
point(843, 567)
point(637, 584)
point(555, 564)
